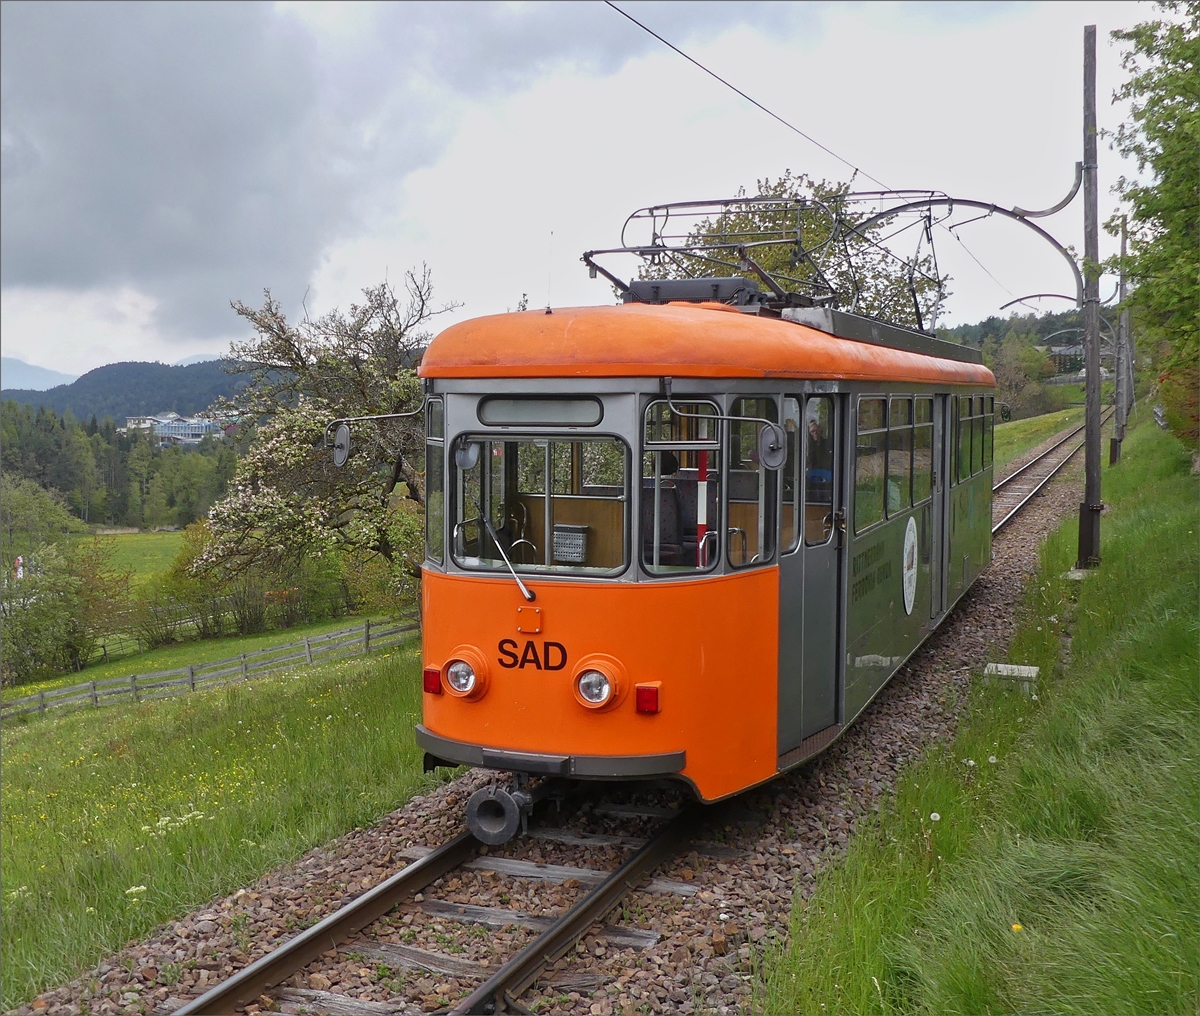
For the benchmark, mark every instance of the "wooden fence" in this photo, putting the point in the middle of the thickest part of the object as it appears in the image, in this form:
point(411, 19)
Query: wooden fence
point(142, 687)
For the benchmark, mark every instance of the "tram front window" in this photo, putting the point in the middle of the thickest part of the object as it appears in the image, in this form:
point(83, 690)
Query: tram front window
point(680, 497)
point(575, 490)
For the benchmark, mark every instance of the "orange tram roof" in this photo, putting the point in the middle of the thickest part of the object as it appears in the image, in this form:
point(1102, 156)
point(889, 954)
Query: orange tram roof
point(673, 340)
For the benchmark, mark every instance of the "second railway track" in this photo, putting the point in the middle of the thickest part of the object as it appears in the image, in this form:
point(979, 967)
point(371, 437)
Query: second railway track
point(1019, 487)
point(391, 925)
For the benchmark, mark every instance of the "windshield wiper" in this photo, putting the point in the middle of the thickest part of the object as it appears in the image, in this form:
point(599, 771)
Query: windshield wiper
point(528, 593)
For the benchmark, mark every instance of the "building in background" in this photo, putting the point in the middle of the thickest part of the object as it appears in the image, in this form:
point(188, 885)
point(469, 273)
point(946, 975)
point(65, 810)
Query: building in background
point(171, 428)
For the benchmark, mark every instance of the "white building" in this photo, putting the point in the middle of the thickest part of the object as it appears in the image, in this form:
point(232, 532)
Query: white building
point(171, 428)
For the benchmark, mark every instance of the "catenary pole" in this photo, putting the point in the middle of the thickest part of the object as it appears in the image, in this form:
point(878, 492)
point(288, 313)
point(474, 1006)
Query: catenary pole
point(1089, 511)
point(1127, 331)
point(1121, 403)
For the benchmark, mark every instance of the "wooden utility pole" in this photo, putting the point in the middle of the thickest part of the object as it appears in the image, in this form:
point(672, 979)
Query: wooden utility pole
point(1120, 399)
point(1089, 511)
point(1127, 331)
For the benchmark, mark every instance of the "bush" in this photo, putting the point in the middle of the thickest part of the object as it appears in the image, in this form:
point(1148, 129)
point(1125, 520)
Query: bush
point(69, 598)
point(1179, 392)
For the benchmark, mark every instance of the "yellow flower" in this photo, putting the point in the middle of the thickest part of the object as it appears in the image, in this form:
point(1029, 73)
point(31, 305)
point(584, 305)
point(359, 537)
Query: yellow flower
point(1017, 927)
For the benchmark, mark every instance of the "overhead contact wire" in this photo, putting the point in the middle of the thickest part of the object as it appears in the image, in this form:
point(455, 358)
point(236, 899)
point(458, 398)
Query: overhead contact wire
point(754, 102)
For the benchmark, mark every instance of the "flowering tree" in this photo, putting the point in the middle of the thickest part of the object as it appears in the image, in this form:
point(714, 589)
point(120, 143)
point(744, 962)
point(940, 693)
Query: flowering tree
point(288, 500)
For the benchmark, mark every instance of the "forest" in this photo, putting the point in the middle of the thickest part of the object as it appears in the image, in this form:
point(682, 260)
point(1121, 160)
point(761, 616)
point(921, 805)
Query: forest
point(105, 477)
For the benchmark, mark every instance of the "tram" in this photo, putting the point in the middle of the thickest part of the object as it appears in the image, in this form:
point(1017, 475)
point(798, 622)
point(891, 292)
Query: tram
point(685, 537)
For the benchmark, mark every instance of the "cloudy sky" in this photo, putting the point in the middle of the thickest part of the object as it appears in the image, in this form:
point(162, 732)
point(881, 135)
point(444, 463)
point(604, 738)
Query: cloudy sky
point(161, 160)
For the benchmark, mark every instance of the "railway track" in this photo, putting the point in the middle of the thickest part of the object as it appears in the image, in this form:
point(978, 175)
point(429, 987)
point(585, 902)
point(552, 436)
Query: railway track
point(1017, 489)
point(366, 927)
point(348, 931)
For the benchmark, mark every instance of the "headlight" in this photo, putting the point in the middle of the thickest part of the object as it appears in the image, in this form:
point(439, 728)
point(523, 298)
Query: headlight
point(461, 677)
point(594, 687)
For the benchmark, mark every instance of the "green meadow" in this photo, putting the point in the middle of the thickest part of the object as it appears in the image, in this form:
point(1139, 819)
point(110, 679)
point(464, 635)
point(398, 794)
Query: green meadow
point(144, 555)
point(116, 820)
point(1048, 860)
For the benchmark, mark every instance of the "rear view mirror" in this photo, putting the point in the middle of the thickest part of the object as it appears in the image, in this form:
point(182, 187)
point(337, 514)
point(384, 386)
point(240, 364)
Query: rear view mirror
point(341, 445)
point(466, 456)
point(772, 446)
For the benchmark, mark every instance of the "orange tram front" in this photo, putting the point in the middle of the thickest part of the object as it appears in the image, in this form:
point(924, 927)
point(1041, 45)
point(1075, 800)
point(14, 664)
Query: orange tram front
point(685, 541)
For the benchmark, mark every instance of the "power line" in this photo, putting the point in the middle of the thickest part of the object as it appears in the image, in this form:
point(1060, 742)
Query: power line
point(754, 102)
point(950, 230)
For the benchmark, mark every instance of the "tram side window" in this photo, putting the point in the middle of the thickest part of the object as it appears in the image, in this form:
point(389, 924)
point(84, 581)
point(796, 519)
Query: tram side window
point(899, 468)
point(818, 470)
point(922, 476)
point(435, 482)
point(977, 436)
point(964, 438)
point(751, 489)
point(554, 505)
point(989, 430)
point(790, 476)
point(680, 517)
point(869, 463)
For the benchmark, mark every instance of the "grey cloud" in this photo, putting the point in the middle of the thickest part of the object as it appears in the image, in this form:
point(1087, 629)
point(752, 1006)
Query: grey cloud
point(199, 152)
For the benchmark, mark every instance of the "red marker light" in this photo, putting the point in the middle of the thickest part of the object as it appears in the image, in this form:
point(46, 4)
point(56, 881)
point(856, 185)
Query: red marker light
point(646, 697)
point(433, 680)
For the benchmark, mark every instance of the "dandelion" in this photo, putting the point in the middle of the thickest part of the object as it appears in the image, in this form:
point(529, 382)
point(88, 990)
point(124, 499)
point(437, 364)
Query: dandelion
point(1017, 928)
point(1034, 697)
point(934, 817)
point(992, 759)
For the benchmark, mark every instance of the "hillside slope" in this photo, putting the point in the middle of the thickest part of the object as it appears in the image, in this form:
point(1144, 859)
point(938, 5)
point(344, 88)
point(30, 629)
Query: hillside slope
point(131, 389)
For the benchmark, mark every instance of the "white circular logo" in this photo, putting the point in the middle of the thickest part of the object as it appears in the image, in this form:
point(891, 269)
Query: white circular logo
point(909, 564)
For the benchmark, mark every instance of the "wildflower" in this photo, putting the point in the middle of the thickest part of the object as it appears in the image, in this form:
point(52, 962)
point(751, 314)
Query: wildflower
point(1034, 697)
point(135, 889)
point(968, 761)
point(934, 817)
point(89, 910)
point(1017, 928)
point(992, 759)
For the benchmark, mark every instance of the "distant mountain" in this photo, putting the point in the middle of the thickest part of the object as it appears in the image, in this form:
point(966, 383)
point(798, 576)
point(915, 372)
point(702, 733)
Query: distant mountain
point(16, 373)
point(135, 389)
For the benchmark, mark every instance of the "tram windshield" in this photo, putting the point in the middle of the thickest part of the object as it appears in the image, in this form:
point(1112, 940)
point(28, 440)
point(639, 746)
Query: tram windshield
point(575, 490)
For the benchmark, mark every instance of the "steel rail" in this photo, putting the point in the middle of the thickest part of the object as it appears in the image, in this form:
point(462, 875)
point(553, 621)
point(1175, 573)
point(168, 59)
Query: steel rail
point(1041, 458)
point(281, 963)
point(1041, 483)
point(498, 992)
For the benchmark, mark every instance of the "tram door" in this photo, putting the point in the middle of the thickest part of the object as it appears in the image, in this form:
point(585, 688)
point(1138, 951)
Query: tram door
point(810, 576)
point(940, 508)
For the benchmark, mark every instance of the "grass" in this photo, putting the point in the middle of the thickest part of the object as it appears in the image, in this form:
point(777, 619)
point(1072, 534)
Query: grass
point(1047, 860)
point(145, 555)
point(115, 822)
point(180, 654)
point(1014, 439)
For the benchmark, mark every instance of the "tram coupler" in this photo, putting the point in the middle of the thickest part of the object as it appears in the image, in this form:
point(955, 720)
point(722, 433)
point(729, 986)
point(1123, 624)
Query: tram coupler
point(494, 815)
